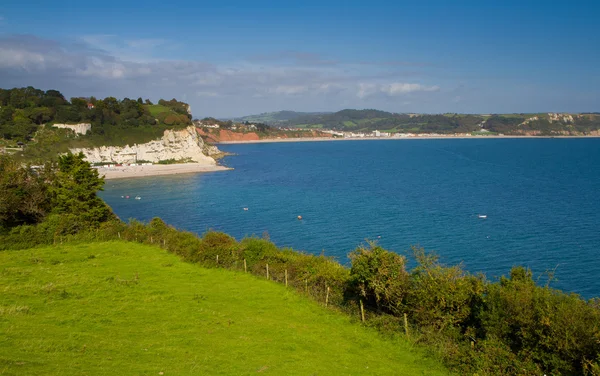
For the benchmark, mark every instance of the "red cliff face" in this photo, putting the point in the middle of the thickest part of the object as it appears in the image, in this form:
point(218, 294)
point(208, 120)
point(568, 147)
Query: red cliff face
point(227, 135)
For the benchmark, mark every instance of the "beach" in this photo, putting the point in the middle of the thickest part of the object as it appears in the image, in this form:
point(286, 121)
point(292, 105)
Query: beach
point(138, 171)
point(414, 137)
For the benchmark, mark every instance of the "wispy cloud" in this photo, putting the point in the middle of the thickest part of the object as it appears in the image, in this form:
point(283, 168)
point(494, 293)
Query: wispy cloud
point(393, 89)
point(105, 65)
point(294, 57)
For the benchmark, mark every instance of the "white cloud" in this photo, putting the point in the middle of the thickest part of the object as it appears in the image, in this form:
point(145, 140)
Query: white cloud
point(11, 57)
point(365, 90)
point(290, 89)
point(392, 89)
point(101, 65)
point(398, 88)
point(209, 94)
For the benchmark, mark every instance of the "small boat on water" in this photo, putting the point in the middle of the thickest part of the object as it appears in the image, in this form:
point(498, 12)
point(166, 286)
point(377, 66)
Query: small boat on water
point(482, 216)
point(138, 198)
point(245, 209)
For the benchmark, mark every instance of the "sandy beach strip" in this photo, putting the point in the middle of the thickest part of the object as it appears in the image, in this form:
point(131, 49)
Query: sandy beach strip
point(429, 137)
point(122, 172)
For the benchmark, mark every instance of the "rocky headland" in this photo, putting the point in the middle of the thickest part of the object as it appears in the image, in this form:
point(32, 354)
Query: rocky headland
point(183, 145)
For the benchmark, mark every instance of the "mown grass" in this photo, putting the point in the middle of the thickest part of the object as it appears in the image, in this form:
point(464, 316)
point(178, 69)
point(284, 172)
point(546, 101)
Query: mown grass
point(123, 308)
point(156, 109)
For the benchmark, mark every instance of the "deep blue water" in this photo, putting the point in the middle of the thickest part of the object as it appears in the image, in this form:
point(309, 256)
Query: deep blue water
point(541, 198)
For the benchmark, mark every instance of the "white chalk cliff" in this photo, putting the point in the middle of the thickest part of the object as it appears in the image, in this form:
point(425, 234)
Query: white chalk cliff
point(81, 128)
point(183, 144)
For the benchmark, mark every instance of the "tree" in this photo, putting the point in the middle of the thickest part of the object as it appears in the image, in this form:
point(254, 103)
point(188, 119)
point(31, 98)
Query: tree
point(24, 197)
point(40, 115)
point(80, 103)
point(74, 192)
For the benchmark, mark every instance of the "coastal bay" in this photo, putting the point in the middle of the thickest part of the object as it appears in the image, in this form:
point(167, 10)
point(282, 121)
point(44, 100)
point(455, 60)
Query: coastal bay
point(538, 196)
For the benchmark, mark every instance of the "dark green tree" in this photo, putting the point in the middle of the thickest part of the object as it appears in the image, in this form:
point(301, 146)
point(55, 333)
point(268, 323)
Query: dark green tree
point(74, 192)
point(24, 197)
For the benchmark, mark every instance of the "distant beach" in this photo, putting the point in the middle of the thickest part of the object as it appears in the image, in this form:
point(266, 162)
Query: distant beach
point(121, 172)
point(419, 137)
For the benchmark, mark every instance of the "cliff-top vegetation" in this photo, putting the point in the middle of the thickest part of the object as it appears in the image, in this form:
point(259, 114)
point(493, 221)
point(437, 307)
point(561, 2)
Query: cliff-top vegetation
point(26, 116)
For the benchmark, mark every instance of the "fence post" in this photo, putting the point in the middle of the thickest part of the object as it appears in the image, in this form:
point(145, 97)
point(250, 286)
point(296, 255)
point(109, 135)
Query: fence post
point(306, 285)
point(217, 259)
point(245, 270)
point(285, 277)
point(119, 233)
point(405, 324)
point(362, 311)
point(327, 297)
point(267, 271)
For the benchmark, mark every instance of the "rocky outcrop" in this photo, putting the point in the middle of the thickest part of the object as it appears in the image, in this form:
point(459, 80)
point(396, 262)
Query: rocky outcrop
point(227, 135)
point(182, 145)
point(81, 128)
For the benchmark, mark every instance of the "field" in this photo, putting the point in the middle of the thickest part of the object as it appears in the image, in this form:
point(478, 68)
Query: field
point(120, 308)
point(156, 109)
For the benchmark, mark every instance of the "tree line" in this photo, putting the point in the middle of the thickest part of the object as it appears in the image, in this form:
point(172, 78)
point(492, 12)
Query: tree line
point(24, 110)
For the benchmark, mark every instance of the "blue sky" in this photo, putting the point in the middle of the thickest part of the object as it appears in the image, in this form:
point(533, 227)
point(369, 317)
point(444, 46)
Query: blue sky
point(236, 58)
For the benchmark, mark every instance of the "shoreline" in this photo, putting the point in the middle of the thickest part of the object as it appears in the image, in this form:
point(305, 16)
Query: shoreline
point(124, 172)
point(440, 137)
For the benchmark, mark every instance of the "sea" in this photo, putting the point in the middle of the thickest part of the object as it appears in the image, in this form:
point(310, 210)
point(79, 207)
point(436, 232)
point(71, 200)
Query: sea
point(488, 204)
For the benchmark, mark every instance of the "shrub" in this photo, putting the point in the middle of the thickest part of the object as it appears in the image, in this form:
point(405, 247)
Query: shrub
point(441, 297)
point(380, 278)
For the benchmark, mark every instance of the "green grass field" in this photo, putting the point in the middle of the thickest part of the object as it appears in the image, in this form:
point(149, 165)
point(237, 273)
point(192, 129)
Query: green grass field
point(156, 109)
point(120, 308)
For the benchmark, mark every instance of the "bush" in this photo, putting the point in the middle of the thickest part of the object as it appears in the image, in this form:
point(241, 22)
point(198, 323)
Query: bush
point(441, 297)
point(380, 278)
point(558, 331)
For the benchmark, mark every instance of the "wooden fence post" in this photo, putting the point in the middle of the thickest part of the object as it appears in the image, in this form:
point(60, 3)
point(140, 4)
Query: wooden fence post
point(119, 233)
point(327, 297)
point(217, 259)
point(306, 285)
point(245, 270)
point(267, 271)
point(285, 277)
point(362, 311)
point(405, 324)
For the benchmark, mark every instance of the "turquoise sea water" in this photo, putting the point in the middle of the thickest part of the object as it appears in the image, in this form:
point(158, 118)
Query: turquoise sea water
point(541, 198)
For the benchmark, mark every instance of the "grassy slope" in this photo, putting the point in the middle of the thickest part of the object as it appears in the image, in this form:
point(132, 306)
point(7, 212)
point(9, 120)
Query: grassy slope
point(127, 309)
point(156, 109)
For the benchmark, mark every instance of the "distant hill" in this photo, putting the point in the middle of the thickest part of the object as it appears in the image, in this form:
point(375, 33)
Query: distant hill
point(369, 120)
point(279, 118)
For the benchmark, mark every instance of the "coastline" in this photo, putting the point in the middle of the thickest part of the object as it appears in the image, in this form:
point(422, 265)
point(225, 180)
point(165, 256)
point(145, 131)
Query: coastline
point(437, 137)
point(140, 171)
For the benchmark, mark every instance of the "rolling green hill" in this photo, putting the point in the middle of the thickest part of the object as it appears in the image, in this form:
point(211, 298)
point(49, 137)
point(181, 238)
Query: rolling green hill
point(277, 118)
point(119, 308)
point(369, 120)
